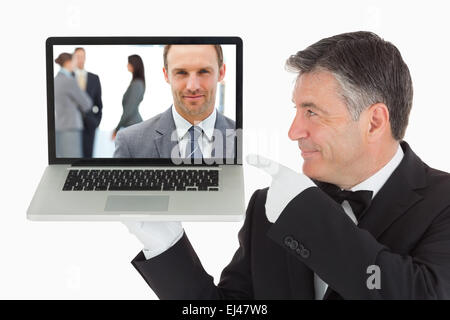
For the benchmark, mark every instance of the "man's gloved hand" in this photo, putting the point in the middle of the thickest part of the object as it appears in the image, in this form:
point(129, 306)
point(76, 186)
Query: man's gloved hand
point(286, 184)
point(156, 236)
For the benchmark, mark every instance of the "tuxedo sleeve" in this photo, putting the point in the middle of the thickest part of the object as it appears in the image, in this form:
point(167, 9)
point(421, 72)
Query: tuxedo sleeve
point(425, 273)
point(178, 273)
point(316, 230)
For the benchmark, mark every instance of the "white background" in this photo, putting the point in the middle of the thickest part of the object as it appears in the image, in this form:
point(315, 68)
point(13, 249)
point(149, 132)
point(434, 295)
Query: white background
point(91, 260)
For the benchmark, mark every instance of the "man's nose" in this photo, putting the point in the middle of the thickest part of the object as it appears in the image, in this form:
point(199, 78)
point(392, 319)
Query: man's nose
point(298, 129)
point(193, 82)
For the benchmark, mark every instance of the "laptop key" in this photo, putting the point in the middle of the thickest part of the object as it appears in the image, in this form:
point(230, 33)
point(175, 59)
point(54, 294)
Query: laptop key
point(141, 180)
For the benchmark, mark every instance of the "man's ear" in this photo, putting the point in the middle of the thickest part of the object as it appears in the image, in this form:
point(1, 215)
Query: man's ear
point(378, 121)
point(222, 72)
point(166, 75)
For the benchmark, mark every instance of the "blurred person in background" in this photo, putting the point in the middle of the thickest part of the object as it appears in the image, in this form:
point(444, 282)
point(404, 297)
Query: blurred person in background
point(133, 96)
point(71, 103)
point(90, 83)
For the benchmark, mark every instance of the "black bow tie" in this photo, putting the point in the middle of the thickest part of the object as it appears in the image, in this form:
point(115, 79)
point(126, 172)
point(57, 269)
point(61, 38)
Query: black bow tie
point(358, 200)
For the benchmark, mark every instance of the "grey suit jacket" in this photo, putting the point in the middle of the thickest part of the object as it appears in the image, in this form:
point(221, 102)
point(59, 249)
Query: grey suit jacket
point(153, 138)
point(70, 103)
point(130, 103)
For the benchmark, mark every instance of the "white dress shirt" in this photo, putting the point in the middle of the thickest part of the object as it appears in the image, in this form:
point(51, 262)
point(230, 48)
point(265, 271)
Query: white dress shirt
point(374, 184)
point(205, 141)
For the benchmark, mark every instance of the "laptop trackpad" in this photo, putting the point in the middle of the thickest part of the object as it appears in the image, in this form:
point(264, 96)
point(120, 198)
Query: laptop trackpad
point(137, 203)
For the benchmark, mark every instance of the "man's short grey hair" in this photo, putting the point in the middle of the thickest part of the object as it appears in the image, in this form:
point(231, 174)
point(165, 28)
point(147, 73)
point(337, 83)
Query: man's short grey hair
point(368, 70)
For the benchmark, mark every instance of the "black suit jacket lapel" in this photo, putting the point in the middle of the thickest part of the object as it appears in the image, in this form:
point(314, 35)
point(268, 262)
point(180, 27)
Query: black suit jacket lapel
point(393, 200)
point(397, 195)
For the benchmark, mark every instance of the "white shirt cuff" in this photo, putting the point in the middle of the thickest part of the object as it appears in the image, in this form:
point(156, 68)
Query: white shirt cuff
point(153, 253)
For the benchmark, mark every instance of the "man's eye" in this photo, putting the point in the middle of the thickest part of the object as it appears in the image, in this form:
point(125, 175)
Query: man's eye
point(310, 113)
point(181, 72)
point(204, 71)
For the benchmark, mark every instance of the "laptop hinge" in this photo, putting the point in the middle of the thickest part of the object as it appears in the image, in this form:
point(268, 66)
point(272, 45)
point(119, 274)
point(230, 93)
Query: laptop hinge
point(87, 163)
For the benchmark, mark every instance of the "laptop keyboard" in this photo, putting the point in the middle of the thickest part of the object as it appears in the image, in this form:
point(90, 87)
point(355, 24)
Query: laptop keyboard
point(142, 180)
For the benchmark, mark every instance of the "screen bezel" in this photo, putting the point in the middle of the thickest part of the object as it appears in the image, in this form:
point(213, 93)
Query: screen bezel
point(79, 41)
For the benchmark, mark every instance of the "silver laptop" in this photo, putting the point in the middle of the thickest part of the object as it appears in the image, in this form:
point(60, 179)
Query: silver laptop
point(142, 128)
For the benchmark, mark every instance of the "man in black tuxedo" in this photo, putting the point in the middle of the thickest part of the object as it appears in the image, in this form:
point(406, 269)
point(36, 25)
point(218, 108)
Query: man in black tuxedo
point(90, 83)
point(367, 219)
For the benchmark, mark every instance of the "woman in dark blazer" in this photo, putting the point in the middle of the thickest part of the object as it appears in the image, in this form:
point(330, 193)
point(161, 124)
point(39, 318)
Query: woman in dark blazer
point(134, 94)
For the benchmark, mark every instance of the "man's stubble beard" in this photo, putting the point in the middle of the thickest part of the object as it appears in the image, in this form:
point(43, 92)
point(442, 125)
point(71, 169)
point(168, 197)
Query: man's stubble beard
point(206, 105)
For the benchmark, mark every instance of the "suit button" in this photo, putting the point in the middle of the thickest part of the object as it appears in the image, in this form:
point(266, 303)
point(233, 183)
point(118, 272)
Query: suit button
point(305, 253)
point(288, 240)
point(294, 244)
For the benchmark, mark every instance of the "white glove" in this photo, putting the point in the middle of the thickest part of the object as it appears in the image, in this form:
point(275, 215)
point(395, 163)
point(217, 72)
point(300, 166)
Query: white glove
point(286, 184)
point(156, 237)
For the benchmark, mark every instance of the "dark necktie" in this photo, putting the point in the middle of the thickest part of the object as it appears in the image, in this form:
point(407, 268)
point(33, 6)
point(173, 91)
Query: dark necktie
point(358, 200)
point(195, 134)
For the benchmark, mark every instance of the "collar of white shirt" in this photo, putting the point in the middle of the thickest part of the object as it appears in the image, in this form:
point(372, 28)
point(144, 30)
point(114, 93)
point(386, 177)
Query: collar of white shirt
point(376, 181)
point(182, 125)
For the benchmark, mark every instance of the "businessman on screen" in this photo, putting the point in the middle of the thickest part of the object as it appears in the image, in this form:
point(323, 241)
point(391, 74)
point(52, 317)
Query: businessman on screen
point(191, 128)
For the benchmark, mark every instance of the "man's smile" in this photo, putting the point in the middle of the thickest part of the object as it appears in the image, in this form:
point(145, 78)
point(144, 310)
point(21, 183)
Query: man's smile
point(193, 97)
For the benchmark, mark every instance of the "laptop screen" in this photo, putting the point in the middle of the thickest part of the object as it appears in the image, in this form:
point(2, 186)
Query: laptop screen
point(145, 100)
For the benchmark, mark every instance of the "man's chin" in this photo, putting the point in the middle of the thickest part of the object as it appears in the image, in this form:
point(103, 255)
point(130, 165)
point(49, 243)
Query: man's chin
point(311, 170)
point(195, 109)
